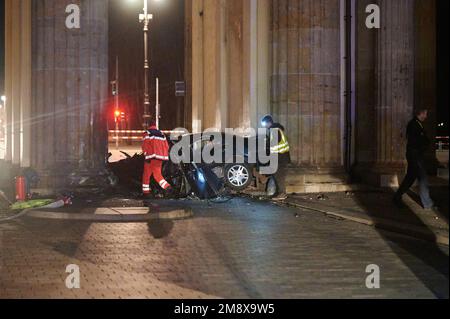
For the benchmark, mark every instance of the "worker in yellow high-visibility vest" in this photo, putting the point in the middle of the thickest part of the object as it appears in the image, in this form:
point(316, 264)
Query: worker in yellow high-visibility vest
point(281, 149)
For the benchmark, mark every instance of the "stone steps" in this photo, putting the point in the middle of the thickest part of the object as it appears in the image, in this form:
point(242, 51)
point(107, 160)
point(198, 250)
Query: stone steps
point(324, 188)
point(316, 181)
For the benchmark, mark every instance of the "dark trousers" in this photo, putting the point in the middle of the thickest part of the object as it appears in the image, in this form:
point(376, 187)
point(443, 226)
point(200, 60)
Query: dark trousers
point(416, 171)
point(280, 177)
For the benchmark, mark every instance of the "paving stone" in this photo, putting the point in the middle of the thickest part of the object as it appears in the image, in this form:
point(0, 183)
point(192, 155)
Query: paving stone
point(223, 252)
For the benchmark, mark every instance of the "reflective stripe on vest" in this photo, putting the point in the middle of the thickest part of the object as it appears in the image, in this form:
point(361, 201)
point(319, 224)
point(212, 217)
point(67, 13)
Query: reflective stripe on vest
point(283, 146)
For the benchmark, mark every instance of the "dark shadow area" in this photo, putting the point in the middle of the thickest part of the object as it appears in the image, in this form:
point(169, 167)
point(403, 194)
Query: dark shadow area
point(67, 248)
point(441, 201)
point(427, 251)
point(67, 236)
point(443, 71)
point(228, 260)
point(415, 197)
point(160, 229)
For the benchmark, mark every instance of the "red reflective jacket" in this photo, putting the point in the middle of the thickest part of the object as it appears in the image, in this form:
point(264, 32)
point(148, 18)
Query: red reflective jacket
point(155, 145)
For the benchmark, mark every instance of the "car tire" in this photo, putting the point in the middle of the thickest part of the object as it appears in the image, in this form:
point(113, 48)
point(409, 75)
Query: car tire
point(238, 176)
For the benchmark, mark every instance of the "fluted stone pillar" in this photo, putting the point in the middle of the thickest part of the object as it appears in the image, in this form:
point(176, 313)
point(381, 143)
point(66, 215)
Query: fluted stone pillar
point(205, 64)
point(425, 77)
point(70, 82)
point(18, 81)
point(396, 73)
point(306, 79)
point(227, 64)
point(394, 88)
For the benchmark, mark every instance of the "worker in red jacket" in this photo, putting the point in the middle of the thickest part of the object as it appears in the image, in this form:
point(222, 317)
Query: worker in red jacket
point(156, 151)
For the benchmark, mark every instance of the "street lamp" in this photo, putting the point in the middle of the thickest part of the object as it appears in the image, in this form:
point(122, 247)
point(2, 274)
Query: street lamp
point(145, 19)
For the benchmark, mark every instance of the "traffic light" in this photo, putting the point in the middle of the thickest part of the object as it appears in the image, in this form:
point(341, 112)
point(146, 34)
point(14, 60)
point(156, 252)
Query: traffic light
point(117, 114)
point(114, 89)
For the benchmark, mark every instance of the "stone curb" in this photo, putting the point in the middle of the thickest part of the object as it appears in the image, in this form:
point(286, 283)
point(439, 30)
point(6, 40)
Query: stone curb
point(175, 214)
point(385, 224)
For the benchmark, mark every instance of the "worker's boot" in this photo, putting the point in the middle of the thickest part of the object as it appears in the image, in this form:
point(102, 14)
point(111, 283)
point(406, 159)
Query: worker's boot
point(146, 196)
point(170, 193)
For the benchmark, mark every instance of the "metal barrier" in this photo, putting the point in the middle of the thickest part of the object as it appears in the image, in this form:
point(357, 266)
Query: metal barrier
point(442, 143)
point(132, 135)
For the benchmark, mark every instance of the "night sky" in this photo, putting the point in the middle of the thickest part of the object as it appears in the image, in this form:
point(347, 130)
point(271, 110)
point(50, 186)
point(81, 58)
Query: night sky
point(166, 57)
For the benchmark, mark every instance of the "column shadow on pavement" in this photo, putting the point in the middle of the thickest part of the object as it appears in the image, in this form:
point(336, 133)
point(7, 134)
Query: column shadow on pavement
point(160, 229)
point(229, 262)
point(428, 252)
point(66, 235)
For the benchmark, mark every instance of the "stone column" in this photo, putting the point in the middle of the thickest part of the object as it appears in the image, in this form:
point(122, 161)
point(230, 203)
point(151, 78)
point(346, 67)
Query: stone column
point(394, 87)
point(365, 93)
point(205, 64)
point(194, 64)
point(235, 32)
point(18, 81)
point(213, 50)
point(8, 78)
point(306, 80)
point(260, 60)
point(70, 82)
point(256, 62)
point(425, 77)
point(227, 64)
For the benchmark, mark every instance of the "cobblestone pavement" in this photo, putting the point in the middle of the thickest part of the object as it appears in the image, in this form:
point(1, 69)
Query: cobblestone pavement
point(242, 249)
point(376, 206)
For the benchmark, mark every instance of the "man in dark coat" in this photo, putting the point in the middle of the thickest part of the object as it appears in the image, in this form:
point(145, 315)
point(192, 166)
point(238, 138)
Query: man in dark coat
point(418, 144)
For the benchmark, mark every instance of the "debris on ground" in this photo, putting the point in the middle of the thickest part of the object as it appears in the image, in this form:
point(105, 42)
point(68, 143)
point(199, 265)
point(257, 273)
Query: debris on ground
point(322, 197)
point(36, 203)
point(129, 171)
point(102, 179)
point(55, 205)
point(184, 179)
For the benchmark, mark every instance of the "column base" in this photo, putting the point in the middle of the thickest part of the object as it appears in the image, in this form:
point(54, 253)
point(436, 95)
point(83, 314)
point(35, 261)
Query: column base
point(380, 175)
point(51, 182)
point(317, 180)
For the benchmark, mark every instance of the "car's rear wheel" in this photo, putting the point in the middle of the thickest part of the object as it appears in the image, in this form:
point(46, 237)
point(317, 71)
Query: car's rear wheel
point(238, 176)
